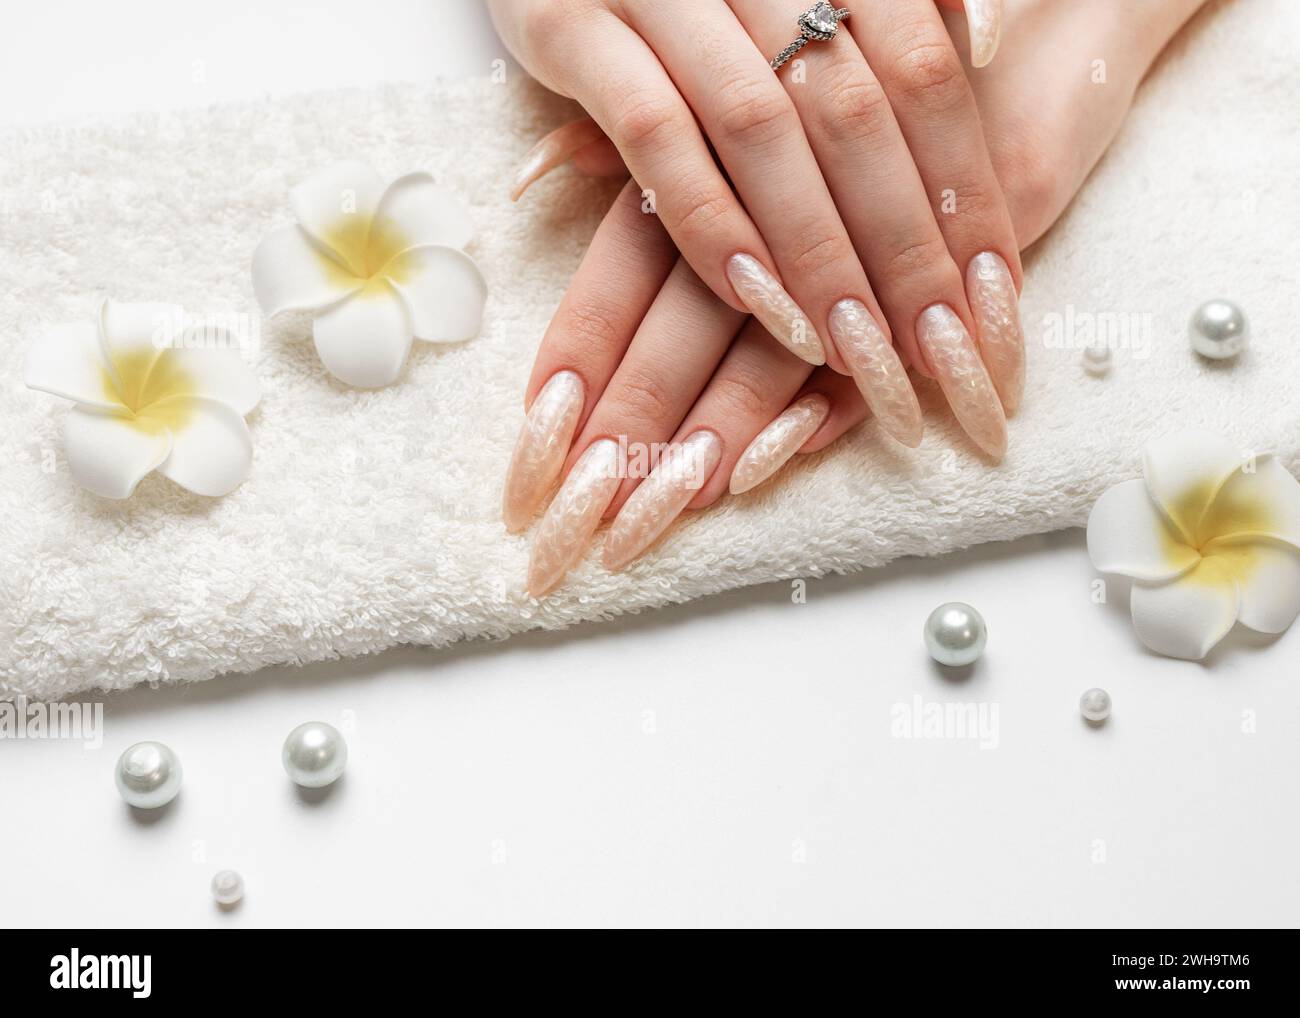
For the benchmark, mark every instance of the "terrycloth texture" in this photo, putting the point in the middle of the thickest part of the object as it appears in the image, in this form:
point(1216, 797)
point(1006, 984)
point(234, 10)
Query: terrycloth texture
point(372, 518)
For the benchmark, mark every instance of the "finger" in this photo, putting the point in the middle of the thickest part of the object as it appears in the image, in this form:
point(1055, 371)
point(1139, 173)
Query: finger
point(629, 258)
point(913, 54)
point(628, 93)
point(756, 131)
point(752, 384)
point(685, 335)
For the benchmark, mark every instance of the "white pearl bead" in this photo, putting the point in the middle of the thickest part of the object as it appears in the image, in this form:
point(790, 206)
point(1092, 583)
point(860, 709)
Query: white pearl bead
point(1219, 330)
point(148, 775)
point(955, 634)
point(1096, 359)
point(227, 887)
point(314, 754)
point(1095, 705)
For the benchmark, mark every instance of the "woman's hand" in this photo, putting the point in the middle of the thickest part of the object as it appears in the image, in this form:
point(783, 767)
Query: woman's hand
point(606, 375)
point(865, 162)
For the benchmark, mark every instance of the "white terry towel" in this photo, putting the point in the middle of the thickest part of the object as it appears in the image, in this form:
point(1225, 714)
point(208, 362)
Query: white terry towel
point(372, 518)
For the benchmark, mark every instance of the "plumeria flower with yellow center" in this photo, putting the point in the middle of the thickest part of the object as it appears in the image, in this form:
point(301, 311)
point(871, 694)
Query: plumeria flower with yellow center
point(1209, 536)
point(377, 266)
point(150, 395)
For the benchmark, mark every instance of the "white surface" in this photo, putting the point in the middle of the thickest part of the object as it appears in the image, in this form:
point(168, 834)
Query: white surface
point(729, 761)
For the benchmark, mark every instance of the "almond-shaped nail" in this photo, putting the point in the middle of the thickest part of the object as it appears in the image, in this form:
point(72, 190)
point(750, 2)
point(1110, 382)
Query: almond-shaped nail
point(573, 515)
point(775, 309)
point(682, 471)
point(876, 369)
point(556, 148)
point(996, 307)
point(541, 448)
point(962, 376)
point(775, 444)
point(984, 22)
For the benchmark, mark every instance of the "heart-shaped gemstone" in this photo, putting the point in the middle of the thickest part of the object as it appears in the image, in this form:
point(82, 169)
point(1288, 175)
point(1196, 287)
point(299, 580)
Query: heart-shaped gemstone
point(822, 19)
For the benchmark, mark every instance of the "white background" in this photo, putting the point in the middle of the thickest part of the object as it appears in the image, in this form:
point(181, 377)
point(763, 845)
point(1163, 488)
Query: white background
point(727, 762)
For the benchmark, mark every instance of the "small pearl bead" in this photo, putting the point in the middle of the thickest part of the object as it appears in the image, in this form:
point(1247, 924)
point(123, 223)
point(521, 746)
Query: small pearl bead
point(1095, 705)
point(955, 634)
point(1219, 330)
point(148, 775)
point(1096, 359)
point(314, 754)
point(227, 887)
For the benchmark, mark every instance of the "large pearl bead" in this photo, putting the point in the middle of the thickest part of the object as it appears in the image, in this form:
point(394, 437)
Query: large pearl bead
point(955, 634)
point(148, 775)
point(314, 754)
point(1095, 705)
point(1219, 330)
point(227, 887)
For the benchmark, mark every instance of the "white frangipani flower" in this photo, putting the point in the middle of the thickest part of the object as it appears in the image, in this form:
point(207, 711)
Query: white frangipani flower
point(1209, 536)
point(148, 397)
point(376, 266)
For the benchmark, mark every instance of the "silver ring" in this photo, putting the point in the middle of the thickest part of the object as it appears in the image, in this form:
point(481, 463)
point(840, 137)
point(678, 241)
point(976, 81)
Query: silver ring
point(819, 22)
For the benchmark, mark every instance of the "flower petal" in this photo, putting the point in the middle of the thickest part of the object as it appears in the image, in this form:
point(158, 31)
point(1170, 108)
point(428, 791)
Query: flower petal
point(335, 205)
point(364, 341)
point(218, 373)
point(109, 453)
point(1128, 535)
point(444, 291)
point(1263, 501)
point(211, 449)
point(1187, 617)
point(290, 273)
point(69, 361)
point(1184, 470)
point(133, 336)
point(1268, 584)
point(414, 210)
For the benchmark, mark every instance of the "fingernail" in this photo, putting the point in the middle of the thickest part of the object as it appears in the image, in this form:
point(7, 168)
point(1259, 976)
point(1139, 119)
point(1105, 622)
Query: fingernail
point(682, 471)
point(541, 448)
point(984, 21)
point(780, 440)
point(996, 307)
point(573, 516)
point(556, 148)
point(963, 377)
point(880, 376)
point(767, 301)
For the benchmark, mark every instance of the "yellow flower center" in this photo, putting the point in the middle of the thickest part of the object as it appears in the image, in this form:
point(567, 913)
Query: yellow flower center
point(1210, 513)
point(153, 389)
point(368, 247)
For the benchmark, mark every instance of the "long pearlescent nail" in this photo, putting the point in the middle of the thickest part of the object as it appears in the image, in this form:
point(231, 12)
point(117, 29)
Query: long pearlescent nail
point(573, 515)
point(774, 308)
point(775, 444)
point(875, 366)
point(541, 448)
point(996, 306)
point(682, 471)
point(556, 148)
point(984, 22)
point(962, 376)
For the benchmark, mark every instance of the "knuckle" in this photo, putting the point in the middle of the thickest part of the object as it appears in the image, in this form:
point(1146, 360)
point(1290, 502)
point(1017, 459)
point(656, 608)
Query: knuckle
point(643, 122)
point(642, 397)
point(592, 327)
point(853, 109)
point(930, 74)
point(695, 215)
point(919, 257)
point(741, 392)
point(752, 113)
point(821, 252)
